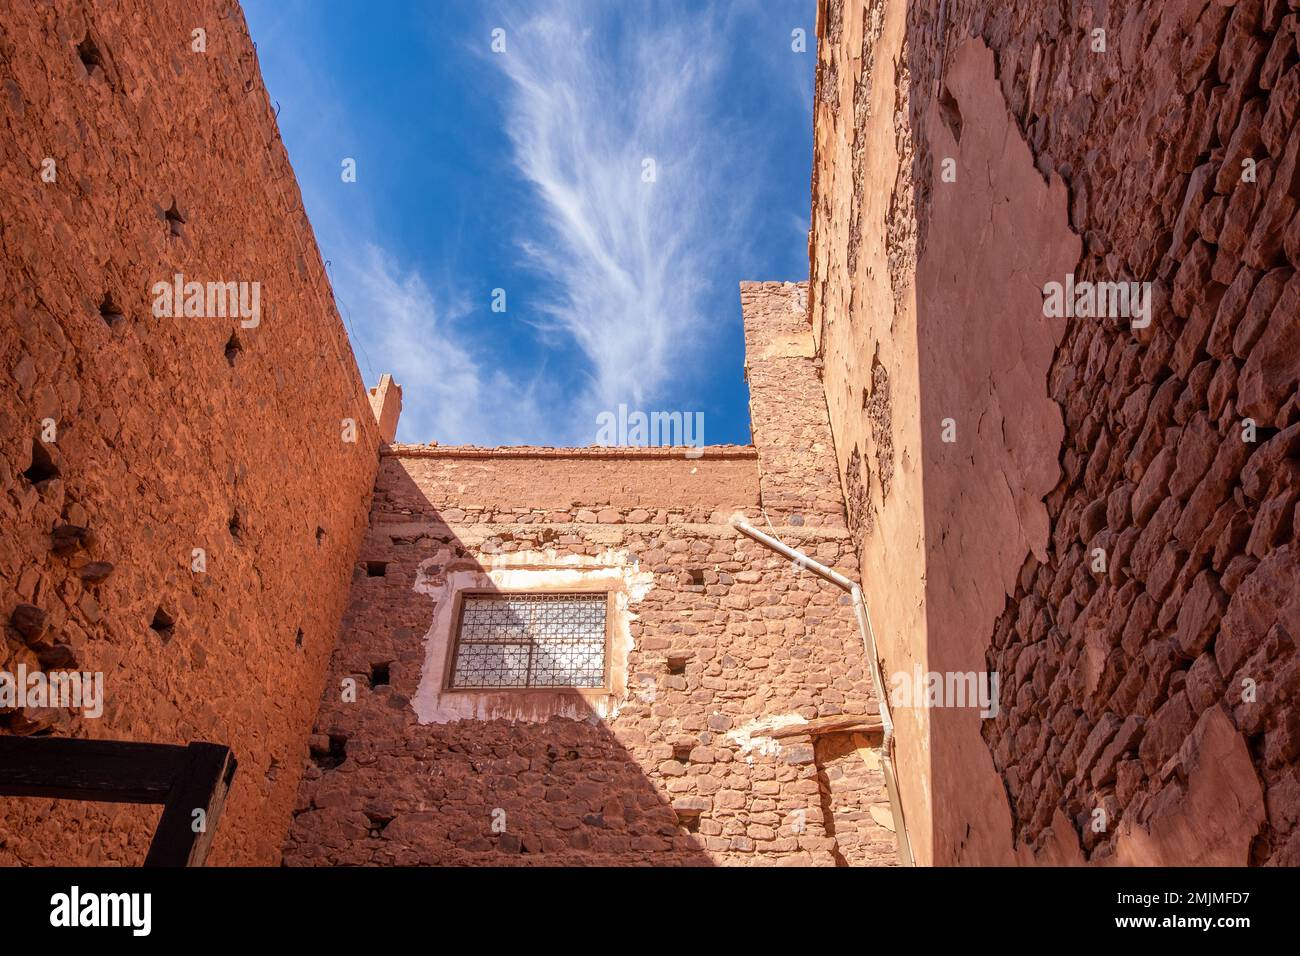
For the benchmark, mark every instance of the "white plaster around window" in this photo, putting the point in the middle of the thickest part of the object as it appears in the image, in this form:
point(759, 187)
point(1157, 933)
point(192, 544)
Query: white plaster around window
point(442, 576)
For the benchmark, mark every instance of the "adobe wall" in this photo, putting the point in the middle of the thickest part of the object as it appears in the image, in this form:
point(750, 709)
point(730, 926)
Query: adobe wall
point(168, 436)
point(719, 643)
point(1160, 690)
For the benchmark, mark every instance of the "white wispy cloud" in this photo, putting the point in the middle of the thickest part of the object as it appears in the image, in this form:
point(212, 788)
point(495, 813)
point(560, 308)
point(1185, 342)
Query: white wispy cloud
point(596, 90)
point(635, 306)
point(447, 392)
point(399, 320)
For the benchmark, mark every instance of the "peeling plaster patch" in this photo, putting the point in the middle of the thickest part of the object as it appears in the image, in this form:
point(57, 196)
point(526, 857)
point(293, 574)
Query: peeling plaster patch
point(441, 576)
point(883, 814)
point(752, 736)
point(990, 246)
point(789, 345)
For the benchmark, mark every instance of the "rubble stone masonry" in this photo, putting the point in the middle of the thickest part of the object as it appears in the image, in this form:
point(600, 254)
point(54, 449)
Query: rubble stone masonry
point(127, 440)
point(725, 645)
point(1101, 510)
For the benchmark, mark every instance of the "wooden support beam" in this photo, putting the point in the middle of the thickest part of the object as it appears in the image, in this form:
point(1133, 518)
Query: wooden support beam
point(184, 779)
point(109, 771)
point(838, 724)
point(183, 835)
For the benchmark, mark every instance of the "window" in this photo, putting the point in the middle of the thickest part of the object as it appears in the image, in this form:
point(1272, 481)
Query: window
point(530, 640)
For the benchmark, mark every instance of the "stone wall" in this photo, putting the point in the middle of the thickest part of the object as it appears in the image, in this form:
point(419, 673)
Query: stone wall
point(127, 440)
point(787, 408)
point(725, 643)
point(1102, 511)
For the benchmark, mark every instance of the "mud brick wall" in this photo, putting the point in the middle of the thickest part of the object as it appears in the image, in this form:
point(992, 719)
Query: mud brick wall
point(170, 434)
point(1153, 692)
point(727, 642)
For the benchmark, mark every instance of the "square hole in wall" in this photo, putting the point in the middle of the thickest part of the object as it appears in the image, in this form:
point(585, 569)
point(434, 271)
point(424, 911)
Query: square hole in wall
point(109, 312)
point(163, 624)
point(175, 221)
point(337, 753)
point(43, 467)
point(91, 57)
point(690, 822)
point(376, 569)
point(379, 675)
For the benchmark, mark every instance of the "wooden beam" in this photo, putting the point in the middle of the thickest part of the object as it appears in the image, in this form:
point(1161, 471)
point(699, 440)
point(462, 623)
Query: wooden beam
point(108, 771)
point(182, 778)
point(838, 724)
point(201, 786)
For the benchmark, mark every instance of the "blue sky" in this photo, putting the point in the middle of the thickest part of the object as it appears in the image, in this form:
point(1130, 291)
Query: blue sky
point(524, 171)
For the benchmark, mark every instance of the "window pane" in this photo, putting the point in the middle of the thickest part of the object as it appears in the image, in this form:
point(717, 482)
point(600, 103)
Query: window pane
point(539, 640)
point(568, 664)
point(491, 665)
point(493, 619)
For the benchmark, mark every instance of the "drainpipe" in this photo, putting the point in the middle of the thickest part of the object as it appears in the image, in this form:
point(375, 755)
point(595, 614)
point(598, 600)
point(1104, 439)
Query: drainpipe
point(873, 658)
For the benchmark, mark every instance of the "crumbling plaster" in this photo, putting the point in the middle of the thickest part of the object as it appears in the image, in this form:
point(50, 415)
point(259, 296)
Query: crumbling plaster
point(966, 340)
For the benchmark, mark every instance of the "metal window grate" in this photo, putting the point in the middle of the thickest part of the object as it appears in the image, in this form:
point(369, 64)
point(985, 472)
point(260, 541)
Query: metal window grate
point(531, 640)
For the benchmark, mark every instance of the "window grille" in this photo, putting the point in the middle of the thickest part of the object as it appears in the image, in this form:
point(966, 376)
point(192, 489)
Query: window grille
point(530, 640)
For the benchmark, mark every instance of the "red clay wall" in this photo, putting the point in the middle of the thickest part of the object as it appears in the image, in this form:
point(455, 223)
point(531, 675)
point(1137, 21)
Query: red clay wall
point(1160, 690)
point(162, 439)
point(676, 768)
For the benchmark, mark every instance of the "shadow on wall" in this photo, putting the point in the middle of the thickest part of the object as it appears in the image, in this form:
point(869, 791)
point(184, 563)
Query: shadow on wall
point(1098, 531)
point(990, 434)
point(382, 788)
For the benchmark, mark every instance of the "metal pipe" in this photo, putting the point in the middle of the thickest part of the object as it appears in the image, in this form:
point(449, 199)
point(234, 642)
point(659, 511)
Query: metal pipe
point(873, 659)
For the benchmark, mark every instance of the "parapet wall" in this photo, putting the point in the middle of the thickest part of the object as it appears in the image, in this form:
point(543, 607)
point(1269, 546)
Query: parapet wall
point(207, 458)
point(1102, 510)
point(523, 483)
